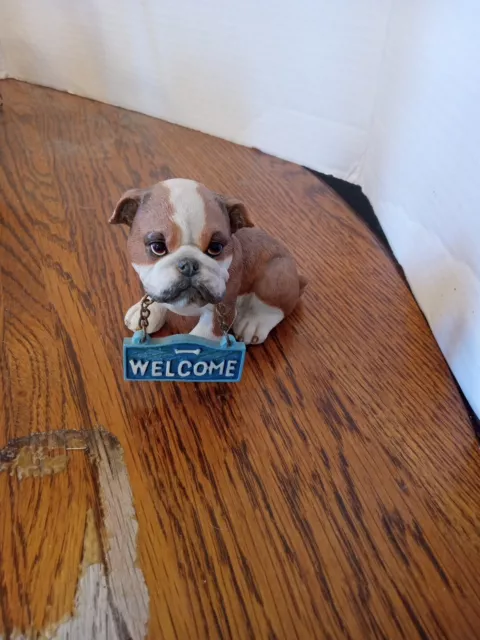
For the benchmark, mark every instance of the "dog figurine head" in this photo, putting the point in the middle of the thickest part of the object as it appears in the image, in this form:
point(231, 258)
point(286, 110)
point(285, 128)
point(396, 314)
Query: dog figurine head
point(180, 240)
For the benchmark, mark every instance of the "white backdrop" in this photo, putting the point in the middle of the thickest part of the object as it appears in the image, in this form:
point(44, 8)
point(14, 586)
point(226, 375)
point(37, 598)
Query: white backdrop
point(3, 66)
point(422, 168)
point(299, 83)
point(381, 92)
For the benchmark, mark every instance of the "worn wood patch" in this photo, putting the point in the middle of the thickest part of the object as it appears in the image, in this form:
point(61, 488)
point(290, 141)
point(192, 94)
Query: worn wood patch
point(111, 599)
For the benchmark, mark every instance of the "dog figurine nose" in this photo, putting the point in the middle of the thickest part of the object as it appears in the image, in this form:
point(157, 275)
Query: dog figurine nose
point(188, 267)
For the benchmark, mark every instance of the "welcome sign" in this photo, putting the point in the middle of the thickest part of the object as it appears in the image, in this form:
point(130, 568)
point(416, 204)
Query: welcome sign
point(182, 358)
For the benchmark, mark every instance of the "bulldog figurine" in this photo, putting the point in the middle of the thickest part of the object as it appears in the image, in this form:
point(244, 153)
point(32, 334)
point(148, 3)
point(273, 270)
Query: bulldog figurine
point(194, 249)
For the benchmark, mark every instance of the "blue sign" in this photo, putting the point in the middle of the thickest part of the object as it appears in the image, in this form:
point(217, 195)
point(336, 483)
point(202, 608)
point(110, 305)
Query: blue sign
point(182, 358)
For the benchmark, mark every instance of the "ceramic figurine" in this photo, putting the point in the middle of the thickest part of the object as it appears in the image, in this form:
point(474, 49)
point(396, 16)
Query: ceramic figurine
point(197, 252)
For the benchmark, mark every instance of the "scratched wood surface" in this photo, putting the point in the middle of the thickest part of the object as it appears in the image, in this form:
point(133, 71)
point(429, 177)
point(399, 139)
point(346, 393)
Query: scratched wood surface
point(334, 493)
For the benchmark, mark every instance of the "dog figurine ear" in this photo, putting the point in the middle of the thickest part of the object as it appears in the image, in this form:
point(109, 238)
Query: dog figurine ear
point(237, 213)
point(126, 208)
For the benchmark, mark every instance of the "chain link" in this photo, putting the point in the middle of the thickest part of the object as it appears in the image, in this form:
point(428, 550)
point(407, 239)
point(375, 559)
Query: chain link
point(221, 310)
point(144, 315)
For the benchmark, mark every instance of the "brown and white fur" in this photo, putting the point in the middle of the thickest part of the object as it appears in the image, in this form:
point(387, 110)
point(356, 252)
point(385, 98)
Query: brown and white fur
point(253, 275)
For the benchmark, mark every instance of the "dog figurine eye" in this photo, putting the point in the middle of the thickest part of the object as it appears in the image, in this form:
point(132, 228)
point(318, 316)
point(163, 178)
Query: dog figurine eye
point(215, 249)
point(159, 248)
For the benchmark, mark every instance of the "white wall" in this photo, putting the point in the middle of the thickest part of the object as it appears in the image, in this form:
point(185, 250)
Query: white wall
point(3, 64)
point(422, 169)
point(384, 92)
point(298, 83)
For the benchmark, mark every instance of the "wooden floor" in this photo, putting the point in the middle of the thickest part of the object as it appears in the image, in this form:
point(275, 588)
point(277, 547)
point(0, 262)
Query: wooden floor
point(334, 493)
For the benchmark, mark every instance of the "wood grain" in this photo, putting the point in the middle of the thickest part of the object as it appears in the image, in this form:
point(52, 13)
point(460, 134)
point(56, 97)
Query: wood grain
point(334, 493)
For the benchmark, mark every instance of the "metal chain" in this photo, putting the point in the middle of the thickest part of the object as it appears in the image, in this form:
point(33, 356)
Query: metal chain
point(221, 310)
point(145, 302)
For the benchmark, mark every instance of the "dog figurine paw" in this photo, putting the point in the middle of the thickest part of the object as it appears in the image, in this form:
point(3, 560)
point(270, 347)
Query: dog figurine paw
point(197, 251)
point(156, 319)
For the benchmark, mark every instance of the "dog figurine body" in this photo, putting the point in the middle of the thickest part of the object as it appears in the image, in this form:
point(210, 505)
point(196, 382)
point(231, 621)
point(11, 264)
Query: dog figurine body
point(194, 249)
